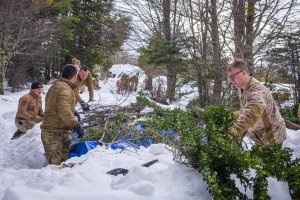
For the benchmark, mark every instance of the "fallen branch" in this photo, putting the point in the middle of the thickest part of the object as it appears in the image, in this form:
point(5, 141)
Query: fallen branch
point(291, 125)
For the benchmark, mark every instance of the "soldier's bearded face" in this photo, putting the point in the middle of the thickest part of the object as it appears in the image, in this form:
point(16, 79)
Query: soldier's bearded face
point(38, 91)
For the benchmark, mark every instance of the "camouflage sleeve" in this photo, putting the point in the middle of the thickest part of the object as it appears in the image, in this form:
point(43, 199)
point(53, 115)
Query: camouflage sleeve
point(250, 114)
point(22, 109)
point(77, 94)
point(65, 108)
point(236, 114)
point(90, 85)
point(40, 111)
point(299, 111)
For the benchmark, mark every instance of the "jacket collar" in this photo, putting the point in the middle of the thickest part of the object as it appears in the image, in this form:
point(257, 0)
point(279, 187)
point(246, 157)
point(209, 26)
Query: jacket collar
point(252, 82)
point(72, 85)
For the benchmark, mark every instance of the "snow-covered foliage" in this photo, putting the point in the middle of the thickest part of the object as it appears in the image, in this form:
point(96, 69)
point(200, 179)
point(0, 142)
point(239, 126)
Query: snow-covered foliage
point(26, 175)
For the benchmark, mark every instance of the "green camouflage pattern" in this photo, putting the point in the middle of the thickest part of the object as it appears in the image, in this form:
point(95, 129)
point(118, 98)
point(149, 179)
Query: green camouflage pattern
point(56, 146)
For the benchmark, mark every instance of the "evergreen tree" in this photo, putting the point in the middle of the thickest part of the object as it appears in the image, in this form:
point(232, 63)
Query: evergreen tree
point(92, 30)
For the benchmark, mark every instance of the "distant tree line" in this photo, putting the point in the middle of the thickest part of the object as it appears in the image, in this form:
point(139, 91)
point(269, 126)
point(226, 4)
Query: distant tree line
point(183, 39)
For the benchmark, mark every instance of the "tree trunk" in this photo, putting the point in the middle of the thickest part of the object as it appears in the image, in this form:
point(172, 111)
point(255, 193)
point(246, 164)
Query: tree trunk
point(239, 27)
point(1, 81)
point(216, 53)
point(3, 68)
point(248, 55)
point(297, 77)
point(148, 84)
point(171, 83)
point(200, 63)
point(171, 70)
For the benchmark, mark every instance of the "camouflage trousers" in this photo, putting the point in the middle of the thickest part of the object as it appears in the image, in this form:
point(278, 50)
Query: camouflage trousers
point(56, 146)
point(24, 125)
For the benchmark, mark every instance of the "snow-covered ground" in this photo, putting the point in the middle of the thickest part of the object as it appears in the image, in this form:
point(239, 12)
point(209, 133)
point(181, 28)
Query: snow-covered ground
point(24, 173)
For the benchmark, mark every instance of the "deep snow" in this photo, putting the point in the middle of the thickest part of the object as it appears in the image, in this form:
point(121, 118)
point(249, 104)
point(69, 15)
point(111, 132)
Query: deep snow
point(24, 173)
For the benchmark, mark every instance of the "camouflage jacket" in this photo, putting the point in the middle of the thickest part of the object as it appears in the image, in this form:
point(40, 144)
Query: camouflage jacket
point(60, 105)
point(79, 83)
point(259, 115)
point(30, 106)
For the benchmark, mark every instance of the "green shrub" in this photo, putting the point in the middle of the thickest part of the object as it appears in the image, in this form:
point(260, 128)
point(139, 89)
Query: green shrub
point(207, 146)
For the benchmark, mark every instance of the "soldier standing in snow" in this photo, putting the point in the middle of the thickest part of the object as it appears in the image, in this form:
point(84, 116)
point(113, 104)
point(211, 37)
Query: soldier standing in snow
point(29, 110)
point(59, 117)
point(259, 117)
point(84, 77)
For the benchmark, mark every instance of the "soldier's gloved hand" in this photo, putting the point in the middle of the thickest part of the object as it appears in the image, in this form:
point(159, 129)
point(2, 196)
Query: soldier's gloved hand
point(84, 106)
point(77, 115)
point(79, 130)
point(37, 119)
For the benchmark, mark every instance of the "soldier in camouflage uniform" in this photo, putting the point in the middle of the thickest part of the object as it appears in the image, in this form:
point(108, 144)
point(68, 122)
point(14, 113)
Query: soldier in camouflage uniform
point(59, 117)
point(259, 116)
point(30, 110)
point(84, 77)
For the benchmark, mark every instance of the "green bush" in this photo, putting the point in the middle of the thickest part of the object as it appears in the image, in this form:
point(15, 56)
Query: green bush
point(206, 146)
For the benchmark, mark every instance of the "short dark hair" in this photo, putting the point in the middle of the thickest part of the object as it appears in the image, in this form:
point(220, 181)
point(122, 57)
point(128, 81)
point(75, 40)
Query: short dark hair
point(85, 68)
point(69, 71)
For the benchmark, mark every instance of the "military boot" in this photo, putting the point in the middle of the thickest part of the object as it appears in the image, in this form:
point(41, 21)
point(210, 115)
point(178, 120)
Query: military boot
point(17, 134)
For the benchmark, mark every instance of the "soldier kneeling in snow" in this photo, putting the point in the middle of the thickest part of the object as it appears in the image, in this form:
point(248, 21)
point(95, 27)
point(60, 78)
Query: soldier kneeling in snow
point(59, 120)
point(29, 110)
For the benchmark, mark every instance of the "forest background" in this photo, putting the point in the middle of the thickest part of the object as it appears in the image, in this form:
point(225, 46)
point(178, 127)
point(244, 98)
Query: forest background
point(185, 40)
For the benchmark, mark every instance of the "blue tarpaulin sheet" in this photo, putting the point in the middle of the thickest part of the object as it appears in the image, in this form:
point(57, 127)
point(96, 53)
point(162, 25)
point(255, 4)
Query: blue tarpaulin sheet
point(82, 148)
point(122, 145)
point(78, 149)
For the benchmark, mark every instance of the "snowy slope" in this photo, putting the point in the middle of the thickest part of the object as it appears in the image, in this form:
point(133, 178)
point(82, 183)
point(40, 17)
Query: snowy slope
point(24, 173)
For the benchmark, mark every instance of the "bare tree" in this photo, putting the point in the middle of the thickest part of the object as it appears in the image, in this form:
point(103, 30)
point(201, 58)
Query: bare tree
point(159, 19)
point(21, 32)
point(212, 32)
point(196, 44)
point(256, 24)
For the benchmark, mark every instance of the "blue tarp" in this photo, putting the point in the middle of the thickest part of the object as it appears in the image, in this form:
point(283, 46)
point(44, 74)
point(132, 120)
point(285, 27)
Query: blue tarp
point(82, 148)
point(78, 149)
point(123, 144)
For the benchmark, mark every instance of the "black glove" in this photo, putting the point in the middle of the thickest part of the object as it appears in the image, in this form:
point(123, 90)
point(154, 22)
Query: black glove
point(84, 106)
point(79, 130)
point(78, 116)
